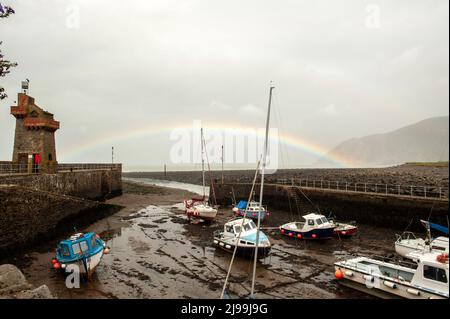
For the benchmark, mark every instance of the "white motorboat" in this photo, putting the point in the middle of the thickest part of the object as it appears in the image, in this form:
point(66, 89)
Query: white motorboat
point(428, 279)
point(407, 242)
point(315, 226)
point(241, 232)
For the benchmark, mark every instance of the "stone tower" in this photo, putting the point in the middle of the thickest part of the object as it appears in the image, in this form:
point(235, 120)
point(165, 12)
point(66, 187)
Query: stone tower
point(34, 141)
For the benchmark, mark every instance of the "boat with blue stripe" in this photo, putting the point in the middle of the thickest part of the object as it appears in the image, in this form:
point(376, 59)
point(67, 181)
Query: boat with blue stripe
point(315, 226)
point(250, 210)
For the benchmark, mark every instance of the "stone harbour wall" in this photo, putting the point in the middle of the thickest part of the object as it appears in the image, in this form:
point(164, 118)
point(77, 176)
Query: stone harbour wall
point(89, 184)
point(28, 216)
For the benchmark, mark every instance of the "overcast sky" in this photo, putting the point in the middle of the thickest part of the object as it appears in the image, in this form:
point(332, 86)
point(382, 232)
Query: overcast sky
point(109, 68)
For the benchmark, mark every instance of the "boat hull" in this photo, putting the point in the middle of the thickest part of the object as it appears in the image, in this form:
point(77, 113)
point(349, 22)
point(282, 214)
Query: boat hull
point(382, 287)
point(345, 233)
point(205, 215)
point(87, 268)
point(314, 234)
point(251, 215)
point(243, 251)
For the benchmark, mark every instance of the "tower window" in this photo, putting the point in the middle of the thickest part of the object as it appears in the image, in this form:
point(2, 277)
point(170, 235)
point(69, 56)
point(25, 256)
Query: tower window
point(50, 157)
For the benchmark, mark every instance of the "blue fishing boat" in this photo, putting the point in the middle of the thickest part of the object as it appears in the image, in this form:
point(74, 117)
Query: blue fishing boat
point(83, 249)
point(252, 211)
point(315, 226)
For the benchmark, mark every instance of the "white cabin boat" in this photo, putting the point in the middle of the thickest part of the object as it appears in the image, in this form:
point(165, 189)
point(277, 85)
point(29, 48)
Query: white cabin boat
point(315, 226)
point(241, 232)
point(408, 243)
point(428, 279)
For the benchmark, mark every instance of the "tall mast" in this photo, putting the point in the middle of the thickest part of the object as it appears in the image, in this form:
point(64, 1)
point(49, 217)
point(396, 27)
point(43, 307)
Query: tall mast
point(261, 191)
point(203, 165)
point(222, 164)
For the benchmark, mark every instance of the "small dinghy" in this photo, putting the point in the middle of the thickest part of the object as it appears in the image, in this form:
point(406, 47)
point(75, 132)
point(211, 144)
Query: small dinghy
point(241, 232)
point(344, 230)
point(315, 226)
point(252, 211)
point(82, 249)
point(428, 279)
point(407, 242)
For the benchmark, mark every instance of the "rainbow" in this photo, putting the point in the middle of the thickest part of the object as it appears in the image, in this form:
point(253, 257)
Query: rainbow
point(290, 140)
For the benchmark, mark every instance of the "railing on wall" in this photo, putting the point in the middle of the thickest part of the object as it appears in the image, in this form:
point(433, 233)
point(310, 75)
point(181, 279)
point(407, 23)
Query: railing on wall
point(441, 192)
point(13, 168)
point(83, 167)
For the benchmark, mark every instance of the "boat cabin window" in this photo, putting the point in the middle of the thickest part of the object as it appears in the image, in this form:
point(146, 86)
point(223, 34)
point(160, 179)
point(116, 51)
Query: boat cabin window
point(434, 273)
point(79, 248)
point(76, 249)
point(437, 248)
point(84, 246)
point(229, 229)
point(311, 222)
point(64, 250)
point(237, 229)
point(93, 242)
point(252, 224)
point(247, 227)
point(324, 220)
point(319, 221)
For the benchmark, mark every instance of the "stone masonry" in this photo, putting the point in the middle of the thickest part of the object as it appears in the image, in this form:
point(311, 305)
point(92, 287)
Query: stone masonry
point(34, 141)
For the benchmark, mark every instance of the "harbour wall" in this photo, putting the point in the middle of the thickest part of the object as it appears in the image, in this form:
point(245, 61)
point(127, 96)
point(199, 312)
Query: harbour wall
point(36, 207)
point(88, 184)
point(396, 212)
point(29, 216)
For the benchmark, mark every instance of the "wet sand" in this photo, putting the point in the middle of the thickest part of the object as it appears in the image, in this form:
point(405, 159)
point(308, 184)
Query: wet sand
point(157, 253)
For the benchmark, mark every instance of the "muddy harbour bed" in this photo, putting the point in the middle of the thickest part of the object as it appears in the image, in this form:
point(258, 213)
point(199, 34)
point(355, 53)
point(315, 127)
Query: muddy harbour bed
point(157, 253)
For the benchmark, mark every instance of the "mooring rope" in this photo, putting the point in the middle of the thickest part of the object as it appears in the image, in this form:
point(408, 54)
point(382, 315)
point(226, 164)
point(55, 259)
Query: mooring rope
point(240, 231)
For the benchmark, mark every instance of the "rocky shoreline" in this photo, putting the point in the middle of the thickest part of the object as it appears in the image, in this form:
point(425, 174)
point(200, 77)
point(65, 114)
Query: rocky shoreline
point(14, 285)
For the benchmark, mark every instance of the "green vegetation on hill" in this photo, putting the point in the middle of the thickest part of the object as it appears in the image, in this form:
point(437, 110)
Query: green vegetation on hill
point(430, 164)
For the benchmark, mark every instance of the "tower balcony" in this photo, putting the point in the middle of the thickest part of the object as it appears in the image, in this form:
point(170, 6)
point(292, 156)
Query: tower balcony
point(18, 111)
point(36, 123)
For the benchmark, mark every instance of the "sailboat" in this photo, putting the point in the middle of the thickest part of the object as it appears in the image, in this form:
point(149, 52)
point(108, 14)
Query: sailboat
point(408, 242)
point(199, 207)
point(260, 241)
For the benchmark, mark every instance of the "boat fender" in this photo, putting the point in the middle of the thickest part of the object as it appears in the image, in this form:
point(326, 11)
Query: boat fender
point(216, 241)
point(314, 236)
point(54, 261)
point(57, 265)
point(390, 284)
point(106, 250)
point(299, 235)
point(413, 291)
point(63, 266)
point(368, 278)
point(348, 273)
point(221, 244)
point(339, 274)
point(227, 246)
point(290, 234)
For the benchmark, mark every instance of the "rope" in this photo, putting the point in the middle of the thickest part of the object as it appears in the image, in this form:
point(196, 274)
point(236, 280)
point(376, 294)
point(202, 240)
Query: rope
point(239, 235)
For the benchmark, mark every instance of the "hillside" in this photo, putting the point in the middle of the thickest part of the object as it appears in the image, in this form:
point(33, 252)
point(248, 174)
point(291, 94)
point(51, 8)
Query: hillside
point(425, 141)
